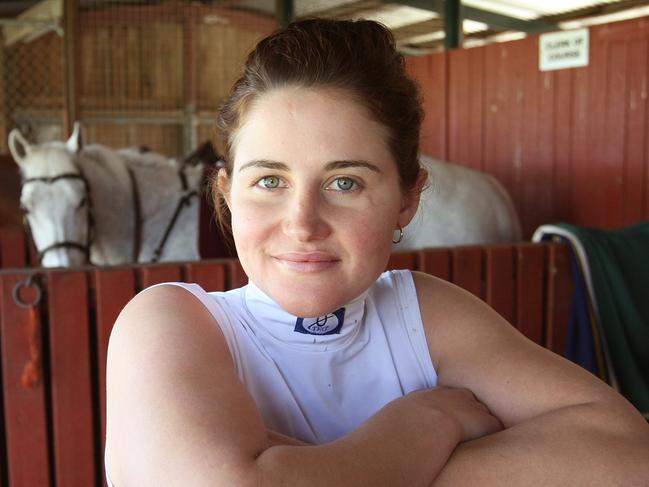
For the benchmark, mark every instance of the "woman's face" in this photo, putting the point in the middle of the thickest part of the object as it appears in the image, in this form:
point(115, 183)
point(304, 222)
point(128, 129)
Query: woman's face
point(315, 198)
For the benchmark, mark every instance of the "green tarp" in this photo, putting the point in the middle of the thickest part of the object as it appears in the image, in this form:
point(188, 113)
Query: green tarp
point(619, 267)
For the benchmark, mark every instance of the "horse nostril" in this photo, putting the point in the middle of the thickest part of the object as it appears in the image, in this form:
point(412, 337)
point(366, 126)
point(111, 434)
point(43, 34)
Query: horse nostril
point(82, 203)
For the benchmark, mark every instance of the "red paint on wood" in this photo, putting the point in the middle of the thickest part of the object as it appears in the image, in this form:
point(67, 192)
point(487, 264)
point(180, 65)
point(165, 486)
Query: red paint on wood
point(113, 289)
point(12, 248)
point(403, 260)
point(475, 122)
point(563, 127)
point(150, 275)
point(633, 187)
point(611, 167)
point(236, 275)
point(209, 275)
point(559, 297)
point(530, 292)
point(25, 418)
point(72, 407)
point(576, 133)
point(466, 270)
point(436, 262)
point(500, 280)
point(430, 72)
point(459, 110)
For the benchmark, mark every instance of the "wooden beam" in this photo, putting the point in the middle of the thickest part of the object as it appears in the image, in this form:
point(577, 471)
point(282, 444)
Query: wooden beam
point(348, 9)
point(71, 68)
point(402, 34)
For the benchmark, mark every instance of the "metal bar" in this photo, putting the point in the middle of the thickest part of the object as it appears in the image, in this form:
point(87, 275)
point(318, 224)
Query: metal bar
point(285, 11)
point(190, 81)
point(495, 21)
point(452, 24)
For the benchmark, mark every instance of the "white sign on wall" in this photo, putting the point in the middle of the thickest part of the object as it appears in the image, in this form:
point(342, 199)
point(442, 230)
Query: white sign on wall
point(561, 50)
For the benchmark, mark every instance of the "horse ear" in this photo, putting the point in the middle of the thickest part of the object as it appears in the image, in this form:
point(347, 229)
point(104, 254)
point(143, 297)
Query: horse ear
point(18, 146)
point(75, 142)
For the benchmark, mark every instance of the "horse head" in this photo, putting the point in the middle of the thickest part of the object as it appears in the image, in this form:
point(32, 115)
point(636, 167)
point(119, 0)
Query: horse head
point(55, 198)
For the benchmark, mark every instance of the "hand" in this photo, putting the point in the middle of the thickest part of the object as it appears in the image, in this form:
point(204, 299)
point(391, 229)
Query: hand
point(470, 416)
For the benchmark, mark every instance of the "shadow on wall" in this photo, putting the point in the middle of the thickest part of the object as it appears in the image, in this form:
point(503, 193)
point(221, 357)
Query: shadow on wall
point(10, 215)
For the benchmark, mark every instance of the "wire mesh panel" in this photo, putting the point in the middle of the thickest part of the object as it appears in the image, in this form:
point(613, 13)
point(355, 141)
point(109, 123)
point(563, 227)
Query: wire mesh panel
point(146, 73)
point(32, 81)
point(153, 73)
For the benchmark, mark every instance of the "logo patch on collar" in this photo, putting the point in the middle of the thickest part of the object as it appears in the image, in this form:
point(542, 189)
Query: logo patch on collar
point(329, 324)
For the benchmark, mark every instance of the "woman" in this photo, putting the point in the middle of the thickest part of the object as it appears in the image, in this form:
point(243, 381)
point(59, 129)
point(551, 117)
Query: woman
point(323, 370)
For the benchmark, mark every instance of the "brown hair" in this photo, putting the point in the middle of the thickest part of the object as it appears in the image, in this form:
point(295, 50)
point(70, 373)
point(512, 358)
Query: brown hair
point(358, 57)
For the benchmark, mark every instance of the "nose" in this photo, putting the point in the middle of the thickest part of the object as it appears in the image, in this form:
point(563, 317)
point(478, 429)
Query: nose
point(305, 219)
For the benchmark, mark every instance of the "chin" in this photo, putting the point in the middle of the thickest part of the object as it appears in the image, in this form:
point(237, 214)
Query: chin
point(308, 307)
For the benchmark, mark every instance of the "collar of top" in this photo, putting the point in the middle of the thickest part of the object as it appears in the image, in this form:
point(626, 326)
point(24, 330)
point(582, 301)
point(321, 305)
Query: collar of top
point(325, 332)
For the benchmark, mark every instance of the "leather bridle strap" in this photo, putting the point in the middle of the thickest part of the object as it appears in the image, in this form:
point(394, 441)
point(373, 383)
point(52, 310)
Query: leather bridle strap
point(185, 200)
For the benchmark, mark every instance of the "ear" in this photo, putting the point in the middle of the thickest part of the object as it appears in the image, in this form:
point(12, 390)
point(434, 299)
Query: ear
point(75, 142)
point(223, 185)
point(410, 201)
point(18, 146)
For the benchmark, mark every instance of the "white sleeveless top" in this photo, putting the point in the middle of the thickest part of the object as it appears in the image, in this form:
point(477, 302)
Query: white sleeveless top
point(317, 379)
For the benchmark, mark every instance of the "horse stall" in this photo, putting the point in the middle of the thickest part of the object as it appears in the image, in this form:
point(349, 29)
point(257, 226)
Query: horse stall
point(55, 325)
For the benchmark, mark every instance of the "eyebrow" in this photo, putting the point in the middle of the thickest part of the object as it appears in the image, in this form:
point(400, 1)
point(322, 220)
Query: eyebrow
point(280, 166)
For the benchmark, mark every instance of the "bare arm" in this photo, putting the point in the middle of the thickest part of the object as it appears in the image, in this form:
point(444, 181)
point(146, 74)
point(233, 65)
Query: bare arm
point(178, 415)
point(564, 426)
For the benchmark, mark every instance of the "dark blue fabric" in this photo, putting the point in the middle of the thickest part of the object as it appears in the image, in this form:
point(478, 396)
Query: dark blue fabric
point(580, 344)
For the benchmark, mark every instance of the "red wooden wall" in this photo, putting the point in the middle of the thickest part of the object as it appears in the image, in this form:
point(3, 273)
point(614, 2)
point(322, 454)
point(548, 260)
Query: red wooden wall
point(569, 145)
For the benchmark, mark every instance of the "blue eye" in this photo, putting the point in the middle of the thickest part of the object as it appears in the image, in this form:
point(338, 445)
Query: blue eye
point(269, 182)
point(344, 184)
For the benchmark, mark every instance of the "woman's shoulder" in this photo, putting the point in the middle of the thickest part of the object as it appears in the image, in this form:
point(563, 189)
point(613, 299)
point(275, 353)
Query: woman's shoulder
point(164, 320)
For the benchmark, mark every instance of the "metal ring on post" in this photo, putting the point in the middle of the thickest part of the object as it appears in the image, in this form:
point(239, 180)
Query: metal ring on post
point(29, 282)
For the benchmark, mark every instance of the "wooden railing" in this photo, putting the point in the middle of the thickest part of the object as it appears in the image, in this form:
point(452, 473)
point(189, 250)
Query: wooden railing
point(54, 352)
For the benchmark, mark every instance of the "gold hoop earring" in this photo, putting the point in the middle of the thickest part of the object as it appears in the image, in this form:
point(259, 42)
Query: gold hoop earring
point(400, 236)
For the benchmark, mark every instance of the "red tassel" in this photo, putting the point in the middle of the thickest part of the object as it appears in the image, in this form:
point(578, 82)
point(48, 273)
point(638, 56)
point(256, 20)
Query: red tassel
point(31, 375)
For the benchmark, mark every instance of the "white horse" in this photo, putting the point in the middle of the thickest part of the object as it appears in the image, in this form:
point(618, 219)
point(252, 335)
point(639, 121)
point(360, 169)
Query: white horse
point(460, 206)
point(96, 205)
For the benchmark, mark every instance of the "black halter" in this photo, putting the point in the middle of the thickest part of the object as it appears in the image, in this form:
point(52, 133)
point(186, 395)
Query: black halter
point(185, 200)
point(83, 247)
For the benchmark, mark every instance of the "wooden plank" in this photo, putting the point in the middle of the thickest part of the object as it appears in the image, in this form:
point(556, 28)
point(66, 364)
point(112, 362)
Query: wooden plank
point(430, 72)
point(12, 248)
point(25, 411)
point(467, 269)
point(559, 298)
point(436, 262)
point(155, 274)
point(210, 275)
point(402, 260)
point(562, 125)
point(581, 141)
point(530, 290)
point(636, 134)
point(611, 166)
point(500, 286)
point(236, 275)
point(475, 121)
point(593, 170)
point(72, 403)
point(458, 113)
point(113, 289)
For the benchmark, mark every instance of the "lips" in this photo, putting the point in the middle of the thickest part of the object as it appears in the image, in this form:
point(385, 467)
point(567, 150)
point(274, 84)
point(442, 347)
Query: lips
point(306, 261)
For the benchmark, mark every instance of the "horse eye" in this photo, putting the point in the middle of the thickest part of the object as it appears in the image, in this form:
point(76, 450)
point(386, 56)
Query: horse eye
point(24, 209)
point(81, 203)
